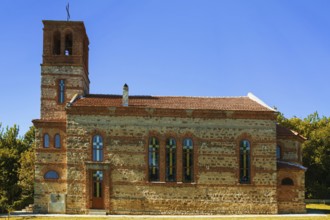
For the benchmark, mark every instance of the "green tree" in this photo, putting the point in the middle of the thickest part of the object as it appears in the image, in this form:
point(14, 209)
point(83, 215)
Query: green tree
point(26, 170)
point(10, 149)
point(16, 168)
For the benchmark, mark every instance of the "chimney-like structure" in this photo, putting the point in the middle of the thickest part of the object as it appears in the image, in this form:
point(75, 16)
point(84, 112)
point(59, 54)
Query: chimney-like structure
point(125, 95)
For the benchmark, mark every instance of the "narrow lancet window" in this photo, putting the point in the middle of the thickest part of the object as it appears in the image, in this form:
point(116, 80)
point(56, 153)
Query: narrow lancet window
point(245, 175)
point(61, 91)
point(153, 159)
point(46, 140)
point(57, 43)
point(171, 160)
point(278, 152)
point(57, 141)
point(68, 44)
point(187, 157)
point(97, 148)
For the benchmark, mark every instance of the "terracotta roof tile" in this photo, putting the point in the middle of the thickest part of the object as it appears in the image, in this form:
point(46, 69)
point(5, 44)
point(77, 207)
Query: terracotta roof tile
point(174, 102)
point(282, 131)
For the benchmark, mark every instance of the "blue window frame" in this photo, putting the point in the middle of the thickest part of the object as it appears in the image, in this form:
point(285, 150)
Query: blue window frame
point(97, 148)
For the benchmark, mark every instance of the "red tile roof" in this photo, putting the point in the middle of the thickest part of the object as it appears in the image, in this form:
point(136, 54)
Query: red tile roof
point(174, 102)
point(282, 131)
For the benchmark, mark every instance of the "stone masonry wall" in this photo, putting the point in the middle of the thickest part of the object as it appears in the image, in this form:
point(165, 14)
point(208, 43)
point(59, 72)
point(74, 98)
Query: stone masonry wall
point(290, 150)
point(291, 198)
point(46, 160)
point(216, 189)
point(75, 82)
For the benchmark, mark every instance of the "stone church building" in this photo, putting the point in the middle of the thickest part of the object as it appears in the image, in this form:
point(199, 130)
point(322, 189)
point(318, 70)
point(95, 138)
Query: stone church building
point(127, 154)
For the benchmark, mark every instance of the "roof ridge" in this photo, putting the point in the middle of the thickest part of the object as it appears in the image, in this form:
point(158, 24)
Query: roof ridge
point(167, 96)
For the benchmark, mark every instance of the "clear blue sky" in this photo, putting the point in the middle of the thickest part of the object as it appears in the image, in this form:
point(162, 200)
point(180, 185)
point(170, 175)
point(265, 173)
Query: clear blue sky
point(277, 49)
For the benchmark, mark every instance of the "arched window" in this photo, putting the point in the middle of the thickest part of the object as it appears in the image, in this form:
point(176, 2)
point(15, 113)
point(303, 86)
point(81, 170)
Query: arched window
point(97, 148)
point(170, 160)
point(57, 43)
point(57, 141)
point(153, 159)
point(61, 91)
point(287, 182)
point(278, 152)
point(188, 160)
point(46, 140)
point(51, 175)
point(68, 44)
point(244, 160)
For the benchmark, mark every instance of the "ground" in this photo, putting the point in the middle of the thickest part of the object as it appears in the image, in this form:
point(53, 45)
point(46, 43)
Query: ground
point(315, 212)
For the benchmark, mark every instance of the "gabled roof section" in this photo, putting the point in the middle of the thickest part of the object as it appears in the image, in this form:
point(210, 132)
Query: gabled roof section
point(243, 103)
point(283, 132)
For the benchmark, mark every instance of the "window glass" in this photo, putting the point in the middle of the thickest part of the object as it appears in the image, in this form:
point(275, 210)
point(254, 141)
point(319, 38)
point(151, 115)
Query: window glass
point(46, 140)
point(57, 141)
point(153, 159)
point(170, 160)
point(245, 162)
point(278, 152)
point(97, 183)
point(187, 157)
point(97, 148)
point(61, 91)
point(51, 175)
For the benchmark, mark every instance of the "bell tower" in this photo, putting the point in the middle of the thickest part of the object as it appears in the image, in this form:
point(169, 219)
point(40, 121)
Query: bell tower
point(64, 68)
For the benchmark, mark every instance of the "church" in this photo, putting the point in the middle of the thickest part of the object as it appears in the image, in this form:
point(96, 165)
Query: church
point(155, 155)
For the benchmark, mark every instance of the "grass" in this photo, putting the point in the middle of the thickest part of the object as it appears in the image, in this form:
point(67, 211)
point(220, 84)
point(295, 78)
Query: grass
point(318, 208)
point(311, 208)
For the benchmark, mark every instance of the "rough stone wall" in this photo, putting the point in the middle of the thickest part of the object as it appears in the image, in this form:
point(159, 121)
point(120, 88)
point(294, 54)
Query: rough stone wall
point(216, 189)
point(291, 198)
point(46, 160)
point(75, 82)
point(290, 150)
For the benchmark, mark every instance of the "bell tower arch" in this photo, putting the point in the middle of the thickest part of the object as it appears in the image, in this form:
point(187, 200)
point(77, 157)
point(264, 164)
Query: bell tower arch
point(64, 68)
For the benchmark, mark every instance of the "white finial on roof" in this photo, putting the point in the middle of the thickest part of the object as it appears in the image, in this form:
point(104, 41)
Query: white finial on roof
point(259, 101)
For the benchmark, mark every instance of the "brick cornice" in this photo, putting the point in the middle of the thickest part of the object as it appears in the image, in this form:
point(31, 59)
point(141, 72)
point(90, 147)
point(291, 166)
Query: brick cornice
point(40, 123)
point(160, 112)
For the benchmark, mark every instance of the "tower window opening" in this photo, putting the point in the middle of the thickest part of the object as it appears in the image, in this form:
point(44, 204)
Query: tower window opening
point(57, 43)
point(68, 44)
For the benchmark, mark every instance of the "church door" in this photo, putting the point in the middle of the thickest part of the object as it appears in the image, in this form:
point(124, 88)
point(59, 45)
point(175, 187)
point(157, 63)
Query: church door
point(97, 190)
